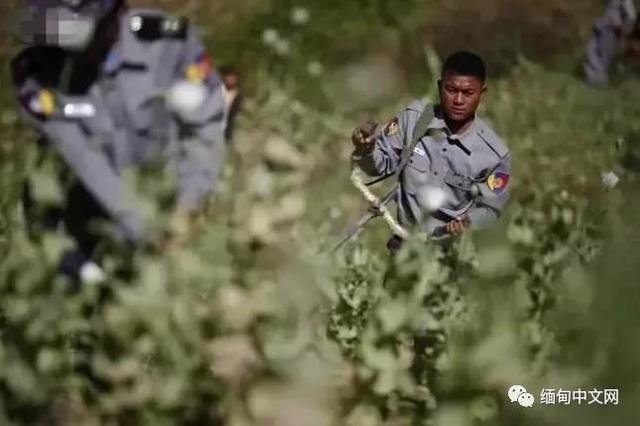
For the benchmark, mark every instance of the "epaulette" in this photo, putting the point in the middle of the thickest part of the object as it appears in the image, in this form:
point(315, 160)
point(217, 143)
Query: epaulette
point(493, 141)
point(150, 27)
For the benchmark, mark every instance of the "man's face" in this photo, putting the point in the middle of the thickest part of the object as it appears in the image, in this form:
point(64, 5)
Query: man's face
point(230, 80)
point(460, 95)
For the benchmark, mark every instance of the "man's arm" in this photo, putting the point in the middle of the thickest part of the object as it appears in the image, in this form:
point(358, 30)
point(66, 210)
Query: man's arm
point(494, 194)
point(89, 163)
point(202, 129)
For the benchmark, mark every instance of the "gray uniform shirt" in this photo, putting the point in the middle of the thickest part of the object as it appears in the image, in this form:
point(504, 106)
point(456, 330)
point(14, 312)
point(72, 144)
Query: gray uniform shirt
point(451, 162)
point(130, 124)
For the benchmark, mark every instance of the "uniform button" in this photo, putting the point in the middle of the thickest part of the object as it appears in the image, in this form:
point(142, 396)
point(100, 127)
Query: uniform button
point(444, 149)
point(435, 173)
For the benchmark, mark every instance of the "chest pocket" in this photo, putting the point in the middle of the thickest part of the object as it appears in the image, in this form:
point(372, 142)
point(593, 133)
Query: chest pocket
point(142, 86)
point(146, 121)
point(417, 173)
point(464, 179)
point(459, 181)
point(136, 88)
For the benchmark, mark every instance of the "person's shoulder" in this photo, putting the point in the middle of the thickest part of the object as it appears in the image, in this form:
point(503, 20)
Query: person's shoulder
point(488, 135)
point(149, 24)
point(412, 112)
point(417, 105)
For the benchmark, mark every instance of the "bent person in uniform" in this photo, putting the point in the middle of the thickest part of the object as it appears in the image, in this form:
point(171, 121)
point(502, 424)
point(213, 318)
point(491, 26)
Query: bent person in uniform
point(456, 174)
point(618, 25)
point(112, 88)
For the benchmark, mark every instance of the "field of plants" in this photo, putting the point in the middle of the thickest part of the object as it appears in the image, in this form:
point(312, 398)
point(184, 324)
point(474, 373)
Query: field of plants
point(252, 321)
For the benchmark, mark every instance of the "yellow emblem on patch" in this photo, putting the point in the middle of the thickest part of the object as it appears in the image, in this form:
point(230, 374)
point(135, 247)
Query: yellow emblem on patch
point(199, 70)
point(498, 181)
point(194, 73)
point(46, 102)
point(391, 128)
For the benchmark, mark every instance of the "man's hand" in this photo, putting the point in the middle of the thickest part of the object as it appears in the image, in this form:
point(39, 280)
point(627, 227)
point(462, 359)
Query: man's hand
point(457, 226)
point(364, 137)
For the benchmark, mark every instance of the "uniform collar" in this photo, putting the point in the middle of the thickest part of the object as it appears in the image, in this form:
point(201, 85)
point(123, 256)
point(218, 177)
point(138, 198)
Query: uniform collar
point(438, 123)
point(126, 51)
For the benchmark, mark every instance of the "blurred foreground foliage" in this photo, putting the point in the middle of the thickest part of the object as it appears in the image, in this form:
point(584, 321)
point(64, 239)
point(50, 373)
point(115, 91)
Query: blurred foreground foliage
point(251, 322)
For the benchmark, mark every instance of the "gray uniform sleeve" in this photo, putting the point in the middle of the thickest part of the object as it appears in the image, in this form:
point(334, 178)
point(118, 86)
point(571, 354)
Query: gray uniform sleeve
point(91, 166)
point(201, 152)
point(385, 157)
point(494, 194)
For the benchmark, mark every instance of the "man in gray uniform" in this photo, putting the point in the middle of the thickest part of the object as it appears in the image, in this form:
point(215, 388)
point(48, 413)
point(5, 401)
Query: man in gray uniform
point(112, 88)
point(618, 23)
point(458, 173)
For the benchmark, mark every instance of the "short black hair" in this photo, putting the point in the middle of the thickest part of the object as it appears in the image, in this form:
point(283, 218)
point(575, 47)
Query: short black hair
point(465, 63)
